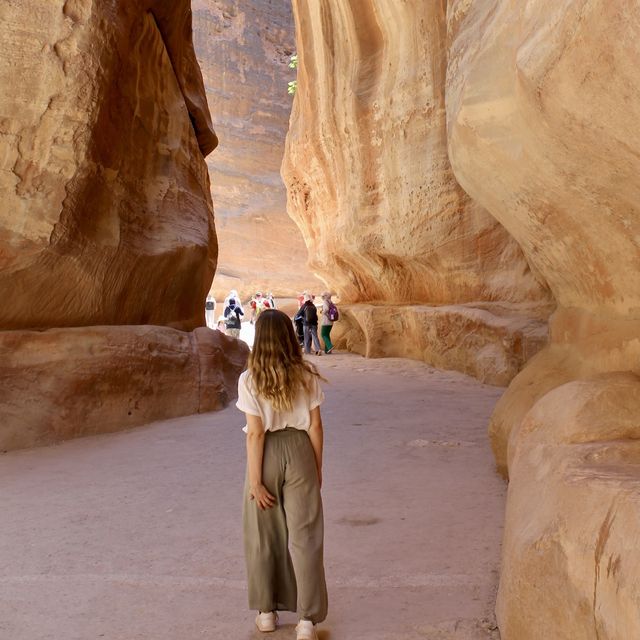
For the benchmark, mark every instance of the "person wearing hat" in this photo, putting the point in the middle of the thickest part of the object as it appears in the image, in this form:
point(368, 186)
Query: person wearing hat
point(309, 315)
point(232, 315)
point(326, 322)
point(210, 312)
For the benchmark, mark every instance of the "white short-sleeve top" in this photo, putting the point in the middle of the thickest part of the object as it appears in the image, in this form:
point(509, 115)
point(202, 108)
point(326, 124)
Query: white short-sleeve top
point(297, 418)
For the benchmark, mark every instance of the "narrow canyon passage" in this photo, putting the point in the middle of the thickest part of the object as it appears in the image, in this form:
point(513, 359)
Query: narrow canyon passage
point(137, 535)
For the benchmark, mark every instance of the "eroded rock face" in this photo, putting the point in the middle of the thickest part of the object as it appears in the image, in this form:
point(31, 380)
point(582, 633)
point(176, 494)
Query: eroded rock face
point(64, 383)
point(569, 553)
point(541, 103)
point(106, 213)
point(565, 150)
point(491, 344)
point(541, 133)
point(244, 50)
point(369, 179)
point(105, 219)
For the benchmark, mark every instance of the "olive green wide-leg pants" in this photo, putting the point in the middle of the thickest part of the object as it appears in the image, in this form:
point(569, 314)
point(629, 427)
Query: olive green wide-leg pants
point(284, 545)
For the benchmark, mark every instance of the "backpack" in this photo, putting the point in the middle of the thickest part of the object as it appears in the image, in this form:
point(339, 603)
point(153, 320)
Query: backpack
point(334, 314)
point(232, 318)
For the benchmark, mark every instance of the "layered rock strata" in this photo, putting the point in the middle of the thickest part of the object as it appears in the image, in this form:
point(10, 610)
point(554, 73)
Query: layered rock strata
point(370, 184)
point(244, 50)
point(491, 344)
point(64, 383)
point(105, 219)
point(541, 105)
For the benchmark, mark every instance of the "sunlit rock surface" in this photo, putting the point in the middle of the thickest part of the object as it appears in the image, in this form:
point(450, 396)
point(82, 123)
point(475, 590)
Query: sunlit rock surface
point(244, 50)
point(369, 179)
point(570, 558)
point(542, 101)
point(105, 211)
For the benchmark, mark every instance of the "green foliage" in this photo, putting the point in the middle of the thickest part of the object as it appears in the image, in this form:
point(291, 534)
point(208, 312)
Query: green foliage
point(292, 86)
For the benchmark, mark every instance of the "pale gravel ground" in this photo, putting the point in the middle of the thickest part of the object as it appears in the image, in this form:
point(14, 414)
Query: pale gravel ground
point(137, 536)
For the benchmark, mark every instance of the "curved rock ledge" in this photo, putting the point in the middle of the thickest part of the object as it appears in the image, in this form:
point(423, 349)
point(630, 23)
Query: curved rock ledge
point(64, 383)
point(570, 555)
point(491, 343)
point(542, 103)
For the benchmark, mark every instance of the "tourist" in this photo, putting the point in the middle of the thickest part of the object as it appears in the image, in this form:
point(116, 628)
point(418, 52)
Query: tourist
point(271, 300)
point(297, 319)
point(232, 315)
point(210, 312)
point(309, 315)
point(280, 395)
point(258, 304)
point(233, 294)
point(329, 315)
point(222, 325)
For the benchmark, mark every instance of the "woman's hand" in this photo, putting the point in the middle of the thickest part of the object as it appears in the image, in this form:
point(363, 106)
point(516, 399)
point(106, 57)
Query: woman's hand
point(261, 495)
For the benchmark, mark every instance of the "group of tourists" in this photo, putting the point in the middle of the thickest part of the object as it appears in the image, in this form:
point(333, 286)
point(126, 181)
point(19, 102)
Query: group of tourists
point(280, 395)
point(230, 321)
point(309, 317)
point(306, 321)
point(260, 303)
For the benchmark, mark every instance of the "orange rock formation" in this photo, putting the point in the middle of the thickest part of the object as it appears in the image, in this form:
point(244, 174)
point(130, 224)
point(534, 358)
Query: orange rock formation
point(371, 187)
point(540, 100)
point(106, 215)
point(63, 383)
point(244, 50)
point(542, 103)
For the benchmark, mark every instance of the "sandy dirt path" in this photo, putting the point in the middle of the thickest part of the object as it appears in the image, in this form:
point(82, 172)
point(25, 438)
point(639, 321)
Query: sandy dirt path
point(137, 535)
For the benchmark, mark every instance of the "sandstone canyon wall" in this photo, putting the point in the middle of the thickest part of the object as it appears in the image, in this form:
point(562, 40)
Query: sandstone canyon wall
point(244, 50)
point(542, 104)
point(106, 216)
point(535, 118)
point(371, 186)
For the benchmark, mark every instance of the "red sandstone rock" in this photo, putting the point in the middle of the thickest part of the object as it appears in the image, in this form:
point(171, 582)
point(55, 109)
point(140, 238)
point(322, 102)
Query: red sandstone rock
point(244, 50)
point(105, 219)
point(106, 214)
point(63, 383)
point(491, 343)
point(570, 562)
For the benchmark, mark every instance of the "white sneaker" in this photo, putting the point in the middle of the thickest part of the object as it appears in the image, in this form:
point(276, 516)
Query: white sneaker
point(266, 621)
point(306, 630)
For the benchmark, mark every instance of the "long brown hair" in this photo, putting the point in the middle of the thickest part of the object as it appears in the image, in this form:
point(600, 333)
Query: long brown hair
point(276, 365)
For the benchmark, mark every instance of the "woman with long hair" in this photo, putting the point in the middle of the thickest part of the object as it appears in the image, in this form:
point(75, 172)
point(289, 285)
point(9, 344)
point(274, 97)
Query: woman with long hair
point(283, 525)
